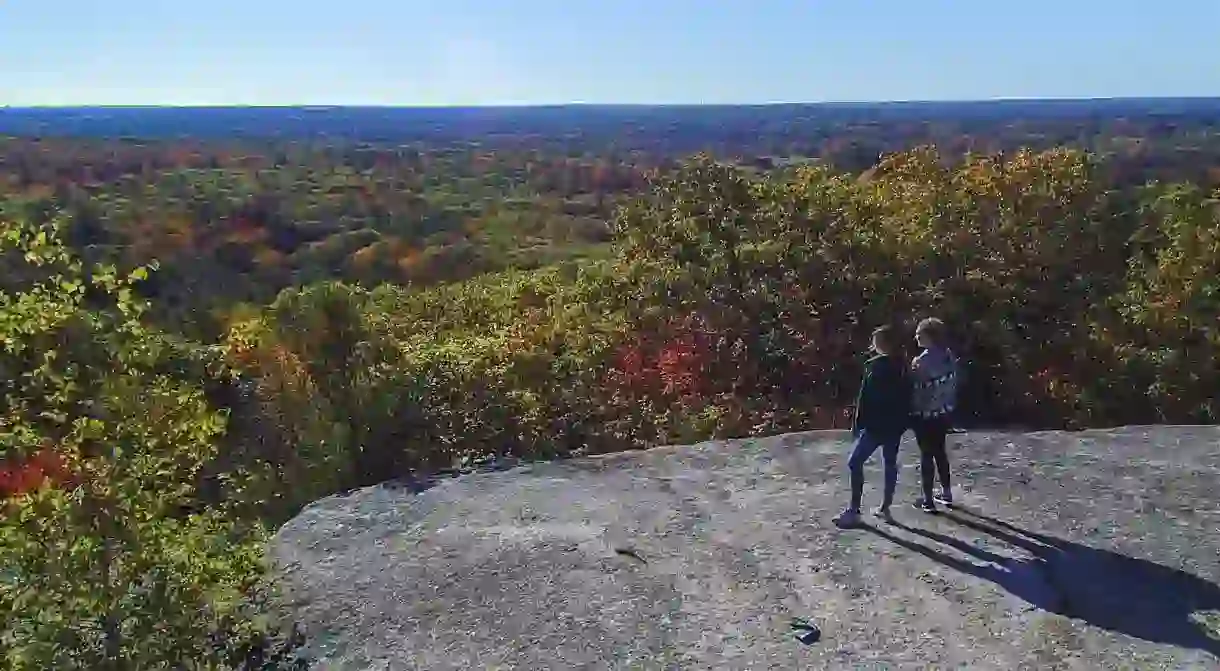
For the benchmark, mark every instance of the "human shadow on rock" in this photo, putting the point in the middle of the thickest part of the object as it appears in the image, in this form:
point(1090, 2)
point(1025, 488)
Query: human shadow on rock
point(1106, 589)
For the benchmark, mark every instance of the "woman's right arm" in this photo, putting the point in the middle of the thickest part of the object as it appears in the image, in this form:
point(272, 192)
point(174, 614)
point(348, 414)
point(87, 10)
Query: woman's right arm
point(917, 369)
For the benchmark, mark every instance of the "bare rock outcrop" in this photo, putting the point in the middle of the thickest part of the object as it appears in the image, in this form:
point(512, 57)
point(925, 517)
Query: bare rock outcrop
point(1090, 550)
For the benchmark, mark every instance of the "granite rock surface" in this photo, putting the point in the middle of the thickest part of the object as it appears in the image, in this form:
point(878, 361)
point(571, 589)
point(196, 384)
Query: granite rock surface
point(1091, 550)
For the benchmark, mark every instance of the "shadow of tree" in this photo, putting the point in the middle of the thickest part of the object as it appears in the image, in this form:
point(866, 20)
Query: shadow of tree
point(1106, 589)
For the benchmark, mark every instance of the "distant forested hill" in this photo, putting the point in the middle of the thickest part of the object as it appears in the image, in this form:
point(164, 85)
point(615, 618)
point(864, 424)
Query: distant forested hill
point(857, 131)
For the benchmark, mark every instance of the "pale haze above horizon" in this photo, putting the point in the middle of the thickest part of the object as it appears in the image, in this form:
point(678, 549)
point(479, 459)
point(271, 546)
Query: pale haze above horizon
point(497, 52)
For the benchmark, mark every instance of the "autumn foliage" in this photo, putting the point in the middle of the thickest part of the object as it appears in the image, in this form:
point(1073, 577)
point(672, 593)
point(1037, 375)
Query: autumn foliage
point(730, 303)
point(677, 364)
point(20, 475)
point(327, 316)
point(106, 442)
point(739, 304)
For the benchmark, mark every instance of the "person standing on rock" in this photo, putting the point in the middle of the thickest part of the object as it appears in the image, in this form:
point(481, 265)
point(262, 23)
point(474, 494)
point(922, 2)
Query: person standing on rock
point(883, 412)
point(934, 381)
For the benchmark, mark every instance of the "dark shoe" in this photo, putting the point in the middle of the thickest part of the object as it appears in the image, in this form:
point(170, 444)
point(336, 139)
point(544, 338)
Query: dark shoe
point(926, 506)
point(945, 500)
point(848, 519)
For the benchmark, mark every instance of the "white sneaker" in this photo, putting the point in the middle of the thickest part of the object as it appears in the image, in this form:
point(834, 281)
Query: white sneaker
point(847, 518)
point(884, 513)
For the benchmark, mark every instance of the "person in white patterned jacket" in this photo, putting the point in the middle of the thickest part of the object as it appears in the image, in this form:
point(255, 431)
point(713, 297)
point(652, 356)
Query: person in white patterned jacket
point(934, 388)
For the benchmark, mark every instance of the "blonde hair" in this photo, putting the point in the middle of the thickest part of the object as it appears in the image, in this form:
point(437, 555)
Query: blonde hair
point(934, 329)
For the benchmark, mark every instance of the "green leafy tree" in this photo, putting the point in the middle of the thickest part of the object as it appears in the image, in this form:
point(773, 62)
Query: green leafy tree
point(116, 562)
point(1168, 340)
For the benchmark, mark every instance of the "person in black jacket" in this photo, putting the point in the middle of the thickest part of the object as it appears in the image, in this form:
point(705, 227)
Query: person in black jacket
point(883, 412)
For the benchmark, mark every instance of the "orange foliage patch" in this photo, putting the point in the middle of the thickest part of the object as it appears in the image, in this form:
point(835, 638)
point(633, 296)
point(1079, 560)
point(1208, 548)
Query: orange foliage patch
point(22, 476)
point(246, 235)
point(364, 257)
point(674, 366)
point(269, 258)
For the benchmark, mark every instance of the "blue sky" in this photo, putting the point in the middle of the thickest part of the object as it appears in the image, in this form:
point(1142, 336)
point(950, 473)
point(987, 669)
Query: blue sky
point(445, 52)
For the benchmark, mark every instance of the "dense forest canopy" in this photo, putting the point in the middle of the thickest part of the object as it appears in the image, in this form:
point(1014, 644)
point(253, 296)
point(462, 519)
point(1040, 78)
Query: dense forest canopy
point(212, 317)
point(249, 201)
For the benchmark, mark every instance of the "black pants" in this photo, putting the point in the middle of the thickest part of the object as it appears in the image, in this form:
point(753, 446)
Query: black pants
point(930, 433)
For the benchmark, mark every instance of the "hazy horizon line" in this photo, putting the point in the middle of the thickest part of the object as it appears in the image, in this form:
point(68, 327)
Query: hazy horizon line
point(913, 101)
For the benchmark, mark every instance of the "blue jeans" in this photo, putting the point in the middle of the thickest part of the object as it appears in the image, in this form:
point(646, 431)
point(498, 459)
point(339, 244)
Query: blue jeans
point(866, 444)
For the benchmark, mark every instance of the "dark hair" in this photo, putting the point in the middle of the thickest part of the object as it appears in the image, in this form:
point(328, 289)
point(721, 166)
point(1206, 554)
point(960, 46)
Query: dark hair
point(886, 336)
point(935, 329)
